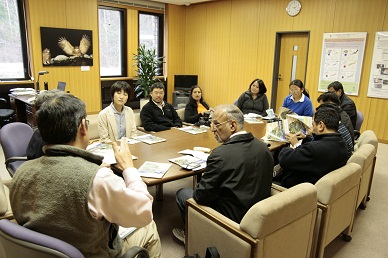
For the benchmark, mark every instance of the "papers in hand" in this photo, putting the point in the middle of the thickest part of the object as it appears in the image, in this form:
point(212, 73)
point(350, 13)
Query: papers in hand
point(192, 129)
point(149, 138)
point(105, 150)
point(276, 131)
point(124, 232)
point(153, 169)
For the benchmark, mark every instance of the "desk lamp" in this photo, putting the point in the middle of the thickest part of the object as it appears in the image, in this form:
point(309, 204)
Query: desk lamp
point(37, 82)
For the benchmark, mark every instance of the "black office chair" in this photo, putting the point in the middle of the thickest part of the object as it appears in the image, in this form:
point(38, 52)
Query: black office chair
point(6, 114)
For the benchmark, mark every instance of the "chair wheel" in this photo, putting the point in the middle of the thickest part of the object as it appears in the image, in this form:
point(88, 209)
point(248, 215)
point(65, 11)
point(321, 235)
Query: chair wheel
point(367, 199)
point(362, 206)
point(346, 238)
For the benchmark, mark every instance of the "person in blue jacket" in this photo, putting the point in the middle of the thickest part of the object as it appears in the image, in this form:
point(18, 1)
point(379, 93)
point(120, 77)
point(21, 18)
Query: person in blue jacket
point(298, 100)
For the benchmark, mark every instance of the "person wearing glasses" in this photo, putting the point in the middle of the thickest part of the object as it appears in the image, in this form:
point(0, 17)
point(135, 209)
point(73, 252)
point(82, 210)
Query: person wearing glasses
point(117, 120)
point(197, 107)
point(70, 195)
point(298, 101)
point(238, 173)
point(158, 115)
point(254, 99)
point(34, 148)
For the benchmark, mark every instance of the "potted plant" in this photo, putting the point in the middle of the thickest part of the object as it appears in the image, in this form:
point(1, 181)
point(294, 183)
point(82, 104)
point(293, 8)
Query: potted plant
point(148, 67)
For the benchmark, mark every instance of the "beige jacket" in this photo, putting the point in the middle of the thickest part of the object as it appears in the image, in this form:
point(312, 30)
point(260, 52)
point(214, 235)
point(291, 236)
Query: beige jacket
point(107, 128)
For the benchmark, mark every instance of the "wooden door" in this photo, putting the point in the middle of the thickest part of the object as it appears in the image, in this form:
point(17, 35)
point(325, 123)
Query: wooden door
point(292, 62)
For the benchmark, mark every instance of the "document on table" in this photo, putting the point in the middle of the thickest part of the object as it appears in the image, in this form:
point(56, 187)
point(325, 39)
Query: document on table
point(189, 162)
point(192, 129)
point(149, 138)
point(153, 169)
point(105, 150)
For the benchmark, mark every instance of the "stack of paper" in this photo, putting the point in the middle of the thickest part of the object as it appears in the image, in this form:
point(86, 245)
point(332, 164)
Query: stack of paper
point(192, 129)
point(105, 150)
point(149, 138)
point(153, 169)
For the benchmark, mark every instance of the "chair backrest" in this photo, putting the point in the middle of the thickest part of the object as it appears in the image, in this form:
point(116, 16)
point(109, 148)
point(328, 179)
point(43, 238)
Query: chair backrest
point(14, 138)
point(367, 137)
point(61, 86)
point(360, 119)
point(364, 157)
point(283, 220)
point(18, 241)
point(337, 194)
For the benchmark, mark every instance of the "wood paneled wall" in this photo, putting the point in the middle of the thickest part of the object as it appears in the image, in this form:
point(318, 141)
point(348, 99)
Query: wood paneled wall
point(229, 43)
point(69, 14)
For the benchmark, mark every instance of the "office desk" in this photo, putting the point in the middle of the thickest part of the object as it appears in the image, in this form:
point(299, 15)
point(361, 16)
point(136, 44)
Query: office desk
point(24, 109)
point(177, 140)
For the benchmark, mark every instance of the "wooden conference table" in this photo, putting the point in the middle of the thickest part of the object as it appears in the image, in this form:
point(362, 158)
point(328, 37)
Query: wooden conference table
point(177, 140)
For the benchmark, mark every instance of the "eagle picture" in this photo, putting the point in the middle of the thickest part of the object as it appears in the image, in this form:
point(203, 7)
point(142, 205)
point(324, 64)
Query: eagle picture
point(76, 51)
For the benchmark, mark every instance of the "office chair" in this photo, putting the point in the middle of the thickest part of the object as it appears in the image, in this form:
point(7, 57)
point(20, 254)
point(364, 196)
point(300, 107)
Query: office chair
point(6, 114)
point(357, 128)
point(61, 86)
point(19, 241)
point(14, 139)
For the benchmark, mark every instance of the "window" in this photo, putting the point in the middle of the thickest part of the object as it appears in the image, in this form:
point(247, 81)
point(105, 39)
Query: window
point(112, 33)
point(151, 31)
point(13, 43)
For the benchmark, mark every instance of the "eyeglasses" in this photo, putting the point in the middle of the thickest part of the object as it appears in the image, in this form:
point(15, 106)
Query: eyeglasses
point(216, 125)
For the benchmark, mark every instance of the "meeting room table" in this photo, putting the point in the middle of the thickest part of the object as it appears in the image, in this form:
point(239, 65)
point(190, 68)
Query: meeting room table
point(177, 140)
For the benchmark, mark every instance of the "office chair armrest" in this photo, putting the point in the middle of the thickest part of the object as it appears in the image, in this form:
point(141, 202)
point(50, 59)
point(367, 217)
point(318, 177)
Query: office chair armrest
point(136, 251)
point(12, 159)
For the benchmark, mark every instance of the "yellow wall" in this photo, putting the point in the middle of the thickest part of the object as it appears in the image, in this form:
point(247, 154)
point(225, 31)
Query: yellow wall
point(227, 43)
point(231, 42)
point(69, 14)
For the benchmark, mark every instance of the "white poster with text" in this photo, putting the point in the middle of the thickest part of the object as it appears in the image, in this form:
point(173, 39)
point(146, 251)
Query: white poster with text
point(342, 58)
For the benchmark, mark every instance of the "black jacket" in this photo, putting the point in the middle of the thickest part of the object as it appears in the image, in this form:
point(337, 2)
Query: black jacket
point(312, 160)
point(191, 112)
point(154, 119)
point(238, 174)
point(349, 107)
point(249, 105)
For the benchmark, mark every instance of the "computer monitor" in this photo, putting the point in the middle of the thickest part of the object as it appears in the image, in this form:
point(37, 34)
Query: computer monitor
point(61, 86)
point(185, 82)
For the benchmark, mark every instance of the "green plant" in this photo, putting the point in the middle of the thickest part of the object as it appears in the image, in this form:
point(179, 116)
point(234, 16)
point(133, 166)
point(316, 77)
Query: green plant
point(148, 67)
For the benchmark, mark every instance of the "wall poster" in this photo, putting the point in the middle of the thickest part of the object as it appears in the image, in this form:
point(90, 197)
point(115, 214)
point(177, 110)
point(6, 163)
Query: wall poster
point(342, 58)
point(66, 47)
point(378, 81)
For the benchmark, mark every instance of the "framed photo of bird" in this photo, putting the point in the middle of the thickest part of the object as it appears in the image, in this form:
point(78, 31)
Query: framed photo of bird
point(66, 47)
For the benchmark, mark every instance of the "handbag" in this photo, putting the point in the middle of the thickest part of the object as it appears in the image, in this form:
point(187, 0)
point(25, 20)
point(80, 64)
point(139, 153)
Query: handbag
point(211, 252)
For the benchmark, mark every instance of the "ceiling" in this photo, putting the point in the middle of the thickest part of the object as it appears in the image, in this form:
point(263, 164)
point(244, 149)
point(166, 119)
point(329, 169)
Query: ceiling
point(181, 2)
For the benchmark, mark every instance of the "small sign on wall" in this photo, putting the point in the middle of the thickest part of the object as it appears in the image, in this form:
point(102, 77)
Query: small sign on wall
point(66, 47)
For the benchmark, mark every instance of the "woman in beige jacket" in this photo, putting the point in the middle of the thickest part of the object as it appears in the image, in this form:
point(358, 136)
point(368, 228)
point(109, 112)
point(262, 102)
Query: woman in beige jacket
point(117, 120)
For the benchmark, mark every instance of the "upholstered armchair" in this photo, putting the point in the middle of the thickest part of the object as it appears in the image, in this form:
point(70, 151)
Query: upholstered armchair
point(337, 195)
point(5, 206)
point(279, 226)
point(368, 137)
point(364, 156)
